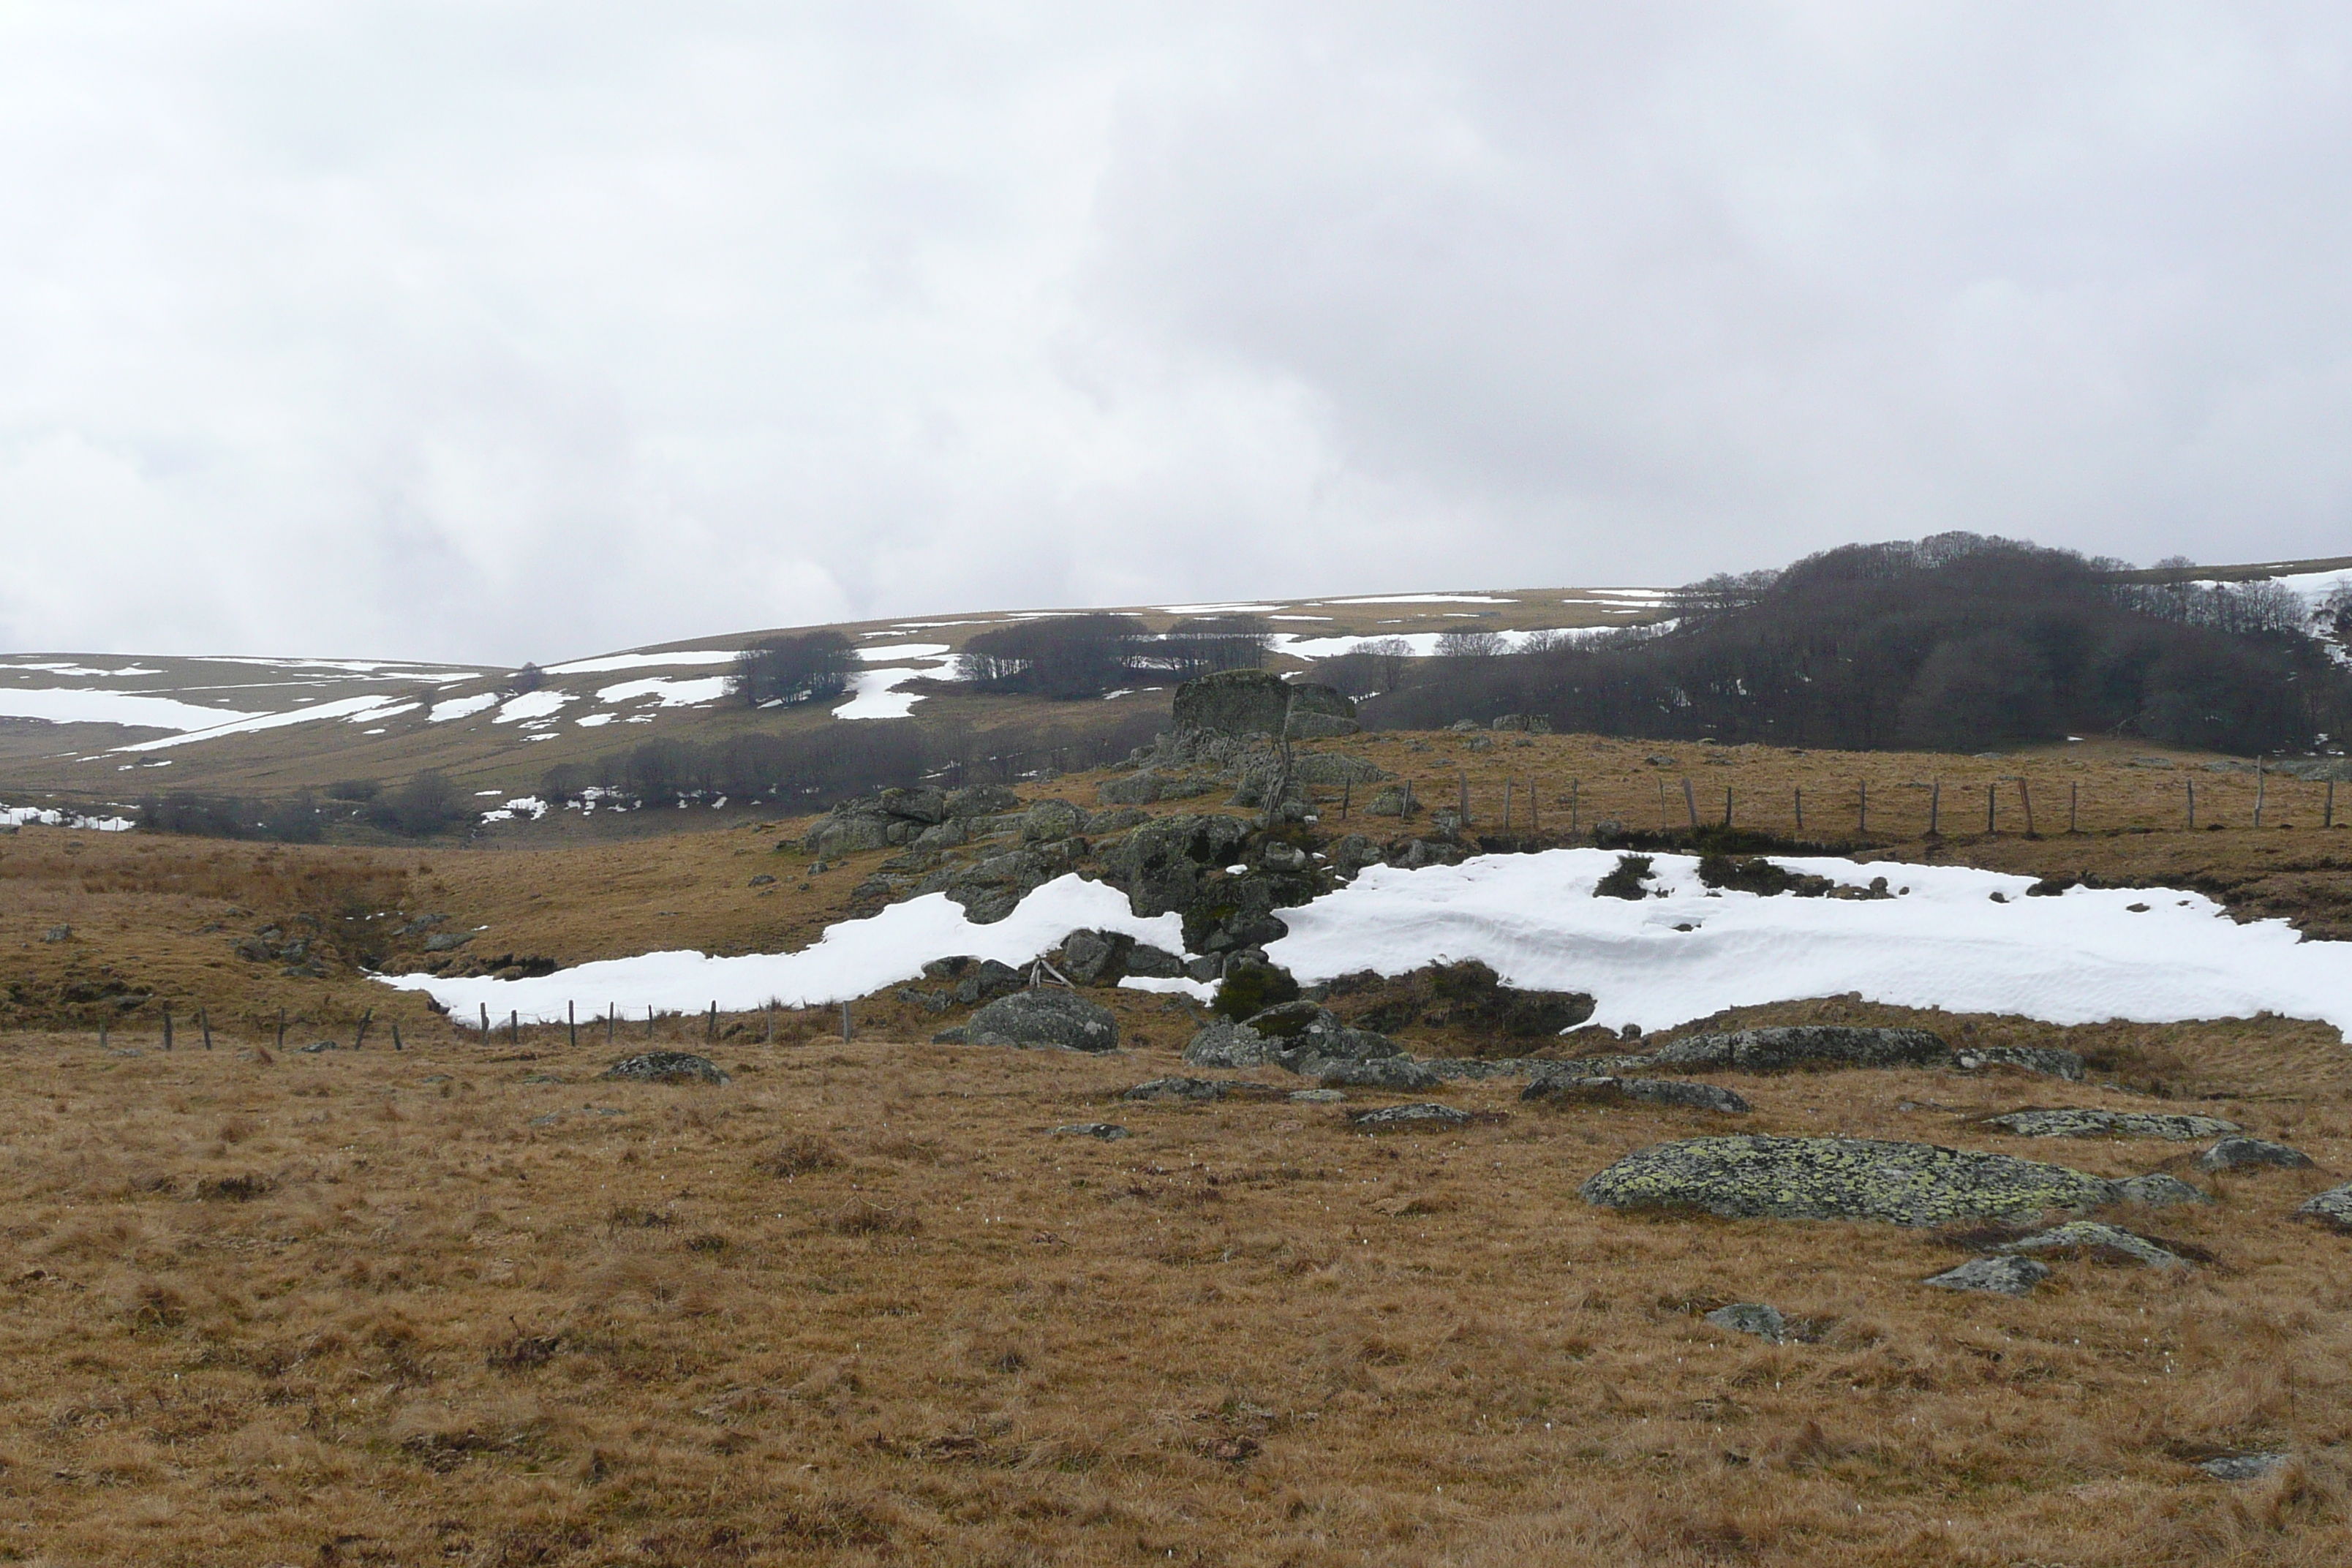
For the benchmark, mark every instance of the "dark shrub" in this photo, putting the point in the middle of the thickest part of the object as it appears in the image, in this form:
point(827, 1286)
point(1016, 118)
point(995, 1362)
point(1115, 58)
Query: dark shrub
point(807, 667)
point(1061, 656)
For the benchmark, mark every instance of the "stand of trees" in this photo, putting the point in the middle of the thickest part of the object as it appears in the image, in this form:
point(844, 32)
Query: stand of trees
point(1072, 656)
point(424, 806)
point(807, 667)
point(1956, 643)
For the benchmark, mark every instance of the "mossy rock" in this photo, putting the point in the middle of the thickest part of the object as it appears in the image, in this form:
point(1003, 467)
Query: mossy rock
point(1843, 1178)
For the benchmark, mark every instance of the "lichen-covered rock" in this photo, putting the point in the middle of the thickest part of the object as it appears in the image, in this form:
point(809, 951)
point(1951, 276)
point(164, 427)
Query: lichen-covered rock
point(971, 980)
point(1429, 1115)
point(2000, 1275)
point(1810, 1044)
point(1563, 1086)
point(1050, 820)
point(1841, 1178)
point(1046, 1017)
point(2244, 1466)
point(665, 1067)
point(1200, 1089)
point(1386, 1072)
point(1477, 1070)
point(1221, 1044)
point(1751, 1317)
point(1154, 962)
point(1104, 1131)
point(992, 889)
point(2089, 1239)
point(2048, 1060)
point(1256, 702)
point(1163, 866)
point(2333, 1206)
point(981, 800)
point(2092, 1123)
point(1466, 999)
point(2158, 1191)
point(1337, 768)
point(1095, 957)
point(2238, 1154)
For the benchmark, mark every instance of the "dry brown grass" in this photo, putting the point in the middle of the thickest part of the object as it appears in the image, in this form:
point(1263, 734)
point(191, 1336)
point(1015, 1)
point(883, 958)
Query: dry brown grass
point(857, 1306)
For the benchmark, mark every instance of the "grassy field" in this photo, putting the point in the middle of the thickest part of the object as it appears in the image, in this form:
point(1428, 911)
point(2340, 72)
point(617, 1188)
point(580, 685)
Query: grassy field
point(470, 1303)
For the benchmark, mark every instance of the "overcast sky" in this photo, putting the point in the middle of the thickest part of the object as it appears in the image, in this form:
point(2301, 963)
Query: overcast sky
point(503, 329)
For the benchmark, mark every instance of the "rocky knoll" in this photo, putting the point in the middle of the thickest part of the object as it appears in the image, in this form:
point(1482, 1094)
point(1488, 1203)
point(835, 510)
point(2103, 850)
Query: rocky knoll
point(1858, 1178)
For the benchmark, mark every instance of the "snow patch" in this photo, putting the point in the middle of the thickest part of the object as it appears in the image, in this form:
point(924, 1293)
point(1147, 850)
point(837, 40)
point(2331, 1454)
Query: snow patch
point(848, 961)
point(671, 693)
point(76, 705)
point(460, 707)
point(611, 662)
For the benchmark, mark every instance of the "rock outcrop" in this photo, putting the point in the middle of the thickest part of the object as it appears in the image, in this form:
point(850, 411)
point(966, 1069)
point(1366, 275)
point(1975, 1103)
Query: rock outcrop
point(1850, 1178)
point(1045, 1019)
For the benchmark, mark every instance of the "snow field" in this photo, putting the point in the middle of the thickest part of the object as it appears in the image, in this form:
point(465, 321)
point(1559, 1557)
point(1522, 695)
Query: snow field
point(2083, 956)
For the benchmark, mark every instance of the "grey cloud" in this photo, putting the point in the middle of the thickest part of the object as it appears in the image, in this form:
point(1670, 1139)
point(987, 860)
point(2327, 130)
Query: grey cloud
point(531, 330)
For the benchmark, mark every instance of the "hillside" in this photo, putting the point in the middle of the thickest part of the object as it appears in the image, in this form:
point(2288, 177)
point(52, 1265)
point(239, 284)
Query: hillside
point(100, 730)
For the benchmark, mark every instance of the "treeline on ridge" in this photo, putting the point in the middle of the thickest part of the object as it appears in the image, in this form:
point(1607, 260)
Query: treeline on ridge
point(1953, 643)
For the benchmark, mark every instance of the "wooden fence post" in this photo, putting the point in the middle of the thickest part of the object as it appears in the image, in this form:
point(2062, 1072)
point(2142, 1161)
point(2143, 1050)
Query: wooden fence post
point(1690, 804)
point(1934, 809)
point(649, 1021)
point(395, 1036)
point(1463, 778)
point(281, 1029)
point(1535, 806)
point(1865, 818)
point(572, 1022)
point(1663, 826)
point(1506, 805)
point(1989, 829)
point(1347, 789)
point(612, 1013)
point(514, 1026)
point(2328, 815)
point(2192, 804)
point(1576, 806)
point(205, 1023)
point(102, 1034)
point(167, 1027)
point(710, 1030)
point(2258, 791)
point(2025, 793)
point(1727, 805)
point(486, 1023)
point(1801, 808)
point(360, 1038)
point(846, 1033)
point(2073, 794)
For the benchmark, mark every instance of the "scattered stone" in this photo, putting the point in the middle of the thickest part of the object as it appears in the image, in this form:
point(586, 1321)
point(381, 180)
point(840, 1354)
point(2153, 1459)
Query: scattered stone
point(1464, 998)
point(1317, 1095)
point(1049, 820)
point(2048, 1060)
point(763, 880)
point(1106, 1132)
point(1388, 1072)
point(972, 981)
point(1751, 1317)
point(1154, 962)
point(1201, 1088)
point(1222, 1043)
point(1256, 702)
point(2091, 1239)
point(666, 1066)
point(2000, 1276)
point(2091, 1123)
point(981, 800)
point(2234, 1153)
point(2333, 1206)
point(1563, 1086)
point(1046, 1017)
point(2244, 1466)
point(1478, 1069)
point(1745, 1177)
point(1095, 957)
point(2158, 1191)
point(312, 1050)
point(1163, 867)
point(1390, 802)
point(1428, 1114)
point(57, 933)
point(447, 941)
point(1810, 1044)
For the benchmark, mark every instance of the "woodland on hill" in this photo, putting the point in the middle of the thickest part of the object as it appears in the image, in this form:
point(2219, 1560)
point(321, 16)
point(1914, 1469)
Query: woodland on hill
point(1955, 643)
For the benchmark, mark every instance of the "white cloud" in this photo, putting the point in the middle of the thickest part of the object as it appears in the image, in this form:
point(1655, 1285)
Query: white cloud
point(445, 330)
